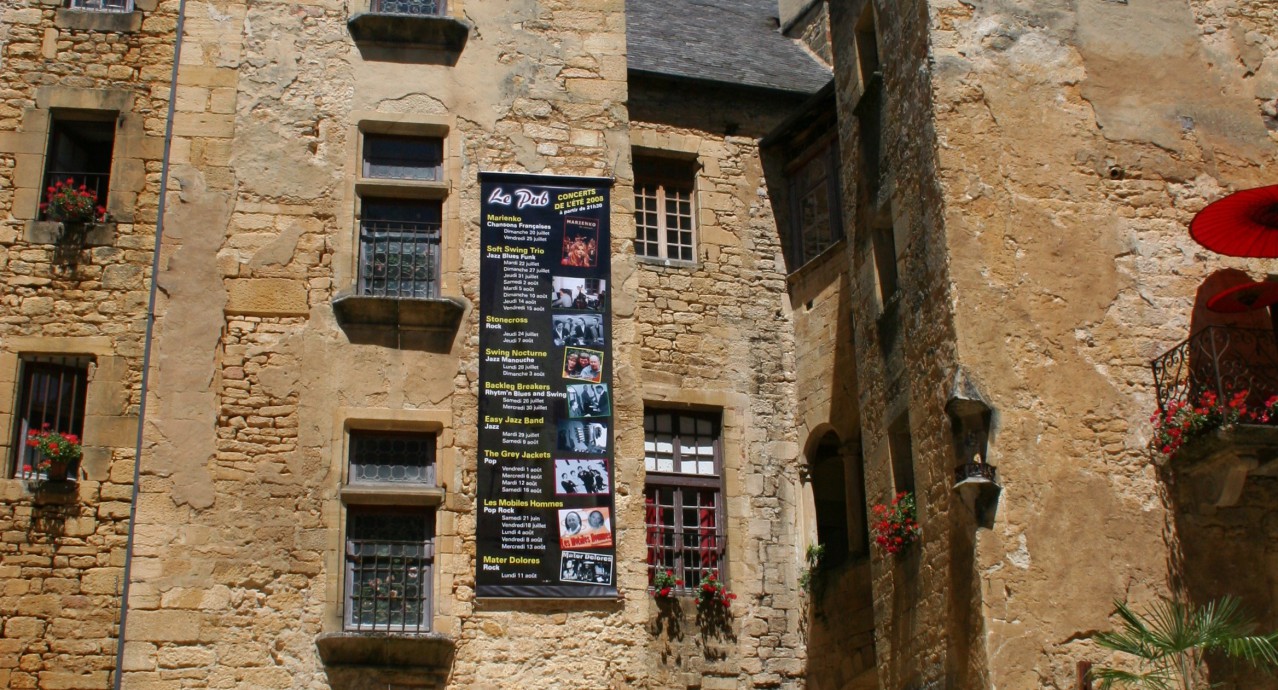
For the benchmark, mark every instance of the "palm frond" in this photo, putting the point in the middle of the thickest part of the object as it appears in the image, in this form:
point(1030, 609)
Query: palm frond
point(1169, 639)
point(1158, 679)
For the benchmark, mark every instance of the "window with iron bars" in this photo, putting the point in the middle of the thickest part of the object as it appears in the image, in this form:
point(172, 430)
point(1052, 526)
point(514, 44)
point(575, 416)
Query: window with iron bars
point(390, 550)
point(101, 5)
point(51, 394)
point(410, 7)
point(390, 556)
point(399, 248)
point(683, 496)
point(79, 154)
point(664, 221)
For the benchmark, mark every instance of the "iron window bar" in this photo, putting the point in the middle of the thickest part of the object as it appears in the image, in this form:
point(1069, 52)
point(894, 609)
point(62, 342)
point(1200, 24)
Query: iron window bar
point(52, 393)
point(101, 5)
point(388, 585)
point(430, 8)
point(399, 259)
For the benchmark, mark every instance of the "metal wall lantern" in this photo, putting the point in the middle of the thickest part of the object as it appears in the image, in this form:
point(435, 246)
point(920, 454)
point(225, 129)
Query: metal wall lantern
point(975, 480)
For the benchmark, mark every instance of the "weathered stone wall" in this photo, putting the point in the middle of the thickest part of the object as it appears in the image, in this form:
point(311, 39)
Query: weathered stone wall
point(1071, 269)
point(257, 384)
point(63, 552)
point(717, 335)
point(926, 633)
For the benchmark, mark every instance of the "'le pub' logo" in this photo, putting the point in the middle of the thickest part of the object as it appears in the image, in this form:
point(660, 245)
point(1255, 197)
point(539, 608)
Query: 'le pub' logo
point(525, 197)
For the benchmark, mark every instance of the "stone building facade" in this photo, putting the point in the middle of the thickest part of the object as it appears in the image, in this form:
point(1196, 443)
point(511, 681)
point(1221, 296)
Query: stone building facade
point(916, 234)
point(89, 92)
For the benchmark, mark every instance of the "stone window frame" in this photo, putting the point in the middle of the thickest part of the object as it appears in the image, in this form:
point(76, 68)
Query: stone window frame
point(441, 190)
point(424, 496)
point(30, 147)
point(734, 421)
point(110, 422)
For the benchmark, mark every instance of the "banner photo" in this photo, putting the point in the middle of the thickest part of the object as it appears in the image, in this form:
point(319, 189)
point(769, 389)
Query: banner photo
point(545, 525)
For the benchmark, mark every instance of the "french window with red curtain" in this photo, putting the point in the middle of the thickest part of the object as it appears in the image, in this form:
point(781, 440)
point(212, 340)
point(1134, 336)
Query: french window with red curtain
point(683, 494)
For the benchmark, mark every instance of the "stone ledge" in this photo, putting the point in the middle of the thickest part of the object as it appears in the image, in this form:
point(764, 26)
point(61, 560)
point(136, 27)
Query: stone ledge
point(420, 650)
point(441, 313)
point(51, 232)
point(444, 33)
point(1221, 461)
point(657, 262)
point(91, 20)
point(392, 494)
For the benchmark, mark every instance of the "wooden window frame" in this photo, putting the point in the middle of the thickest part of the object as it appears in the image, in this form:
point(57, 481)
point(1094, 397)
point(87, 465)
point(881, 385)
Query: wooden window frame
point(826, 148)
point(659, 180)
point(682, 485)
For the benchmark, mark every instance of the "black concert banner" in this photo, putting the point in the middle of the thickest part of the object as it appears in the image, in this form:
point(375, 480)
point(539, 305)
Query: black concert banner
point(545, 527)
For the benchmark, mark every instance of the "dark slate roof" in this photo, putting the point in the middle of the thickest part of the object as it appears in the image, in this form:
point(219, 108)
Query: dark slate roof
point(731, 41)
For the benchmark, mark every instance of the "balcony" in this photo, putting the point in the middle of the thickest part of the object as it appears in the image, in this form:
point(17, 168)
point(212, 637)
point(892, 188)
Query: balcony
point(1235, 365)
point(419, 23)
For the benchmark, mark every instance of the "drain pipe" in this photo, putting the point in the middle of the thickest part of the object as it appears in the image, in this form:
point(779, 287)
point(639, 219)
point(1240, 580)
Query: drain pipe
point(146, 348)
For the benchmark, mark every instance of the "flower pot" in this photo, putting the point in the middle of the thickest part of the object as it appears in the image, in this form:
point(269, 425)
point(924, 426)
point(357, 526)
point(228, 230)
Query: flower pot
point(56, 471)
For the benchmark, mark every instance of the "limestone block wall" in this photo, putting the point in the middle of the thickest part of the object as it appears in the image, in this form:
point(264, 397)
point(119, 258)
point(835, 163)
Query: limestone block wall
point(1071, 159)
point(717, 335)
point(927, 629)
point(257, 385)
point(63, 552)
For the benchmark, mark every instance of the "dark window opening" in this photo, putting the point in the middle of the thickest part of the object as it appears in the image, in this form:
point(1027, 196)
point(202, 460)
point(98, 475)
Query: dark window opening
point(392, 457)
point(51, 394)
point(79, 154)
point(403, 158)
point(829, 493)
point(901, 448)
point(883, 240)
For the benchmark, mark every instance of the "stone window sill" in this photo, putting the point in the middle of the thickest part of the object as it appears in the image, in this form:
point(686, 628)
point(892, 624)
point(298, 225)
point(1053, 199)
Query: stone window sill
point(443, 33)
point(424, 650)
point(406, 189)
point(90, 20)
point(654, 261)
point(442, 313)
point(51, 232)
point(392, 494)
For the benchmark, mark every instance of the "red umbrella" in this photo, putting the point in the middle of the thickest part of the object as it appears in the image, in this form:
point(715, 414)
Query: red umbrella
point(1245, 297)
point(1242, 224)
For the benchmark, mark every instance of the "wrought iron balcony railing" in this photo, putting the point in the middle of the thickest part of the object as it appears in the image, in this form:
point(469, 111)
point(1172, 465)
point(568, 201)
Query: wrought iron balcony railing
point(399, 259)
point(388, 585)
point(1222, 360)
point(431, 8)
